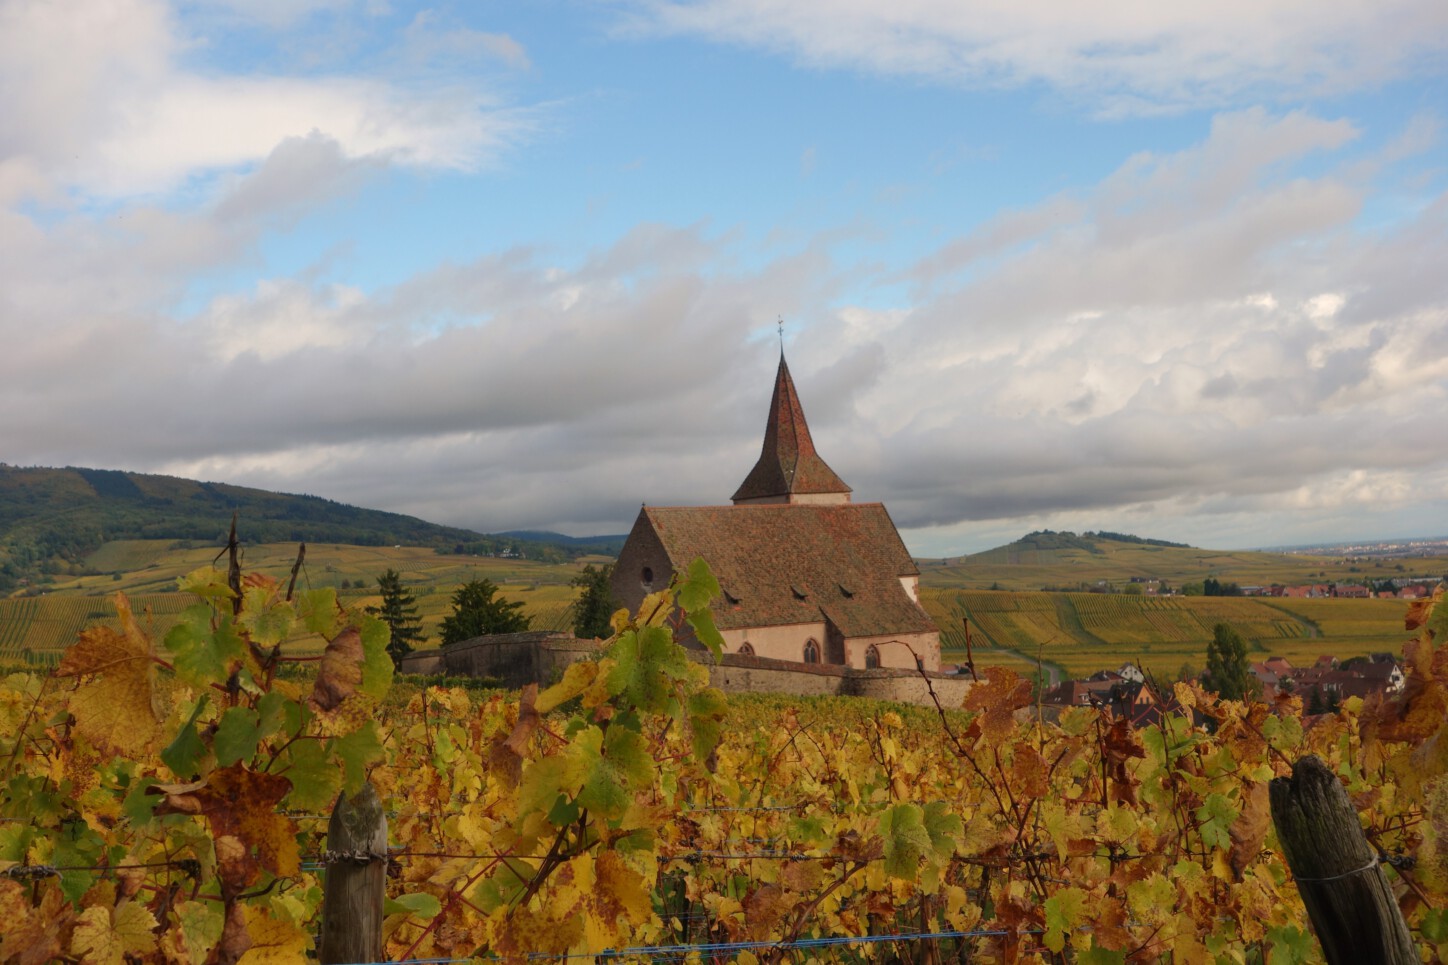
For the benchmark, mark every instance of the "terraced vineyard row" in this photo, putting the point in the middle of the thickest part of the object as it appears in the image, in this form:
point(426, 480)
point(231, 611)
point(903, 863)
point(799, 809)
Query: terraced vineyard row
point(1085, 632)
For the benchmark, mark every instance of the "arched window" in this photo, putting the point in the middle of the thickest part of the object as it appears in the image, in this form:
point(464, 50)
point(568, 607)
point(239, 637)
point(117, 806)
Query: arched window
point(811, 652)
point(646, 577)
point(746, 648)
point(872, 657)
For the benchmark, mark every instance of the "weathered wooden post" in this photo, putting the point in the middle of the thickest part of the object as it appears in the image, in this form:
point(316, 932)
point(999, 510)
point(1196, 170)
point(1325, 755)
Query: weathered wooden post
point(355, 883)
point(1353, 910)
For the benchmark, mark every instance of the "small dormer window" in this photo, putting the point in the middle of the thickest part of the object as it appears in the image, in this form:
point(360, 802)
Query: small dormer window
point(799, 592)
point(846, 591)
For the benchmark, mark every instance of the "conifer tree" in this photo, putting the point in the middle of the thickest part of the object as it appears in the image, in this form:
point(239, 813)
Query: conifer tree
point(399, 611)
point(595, 605)
point(1228, 671)
point(478, 611)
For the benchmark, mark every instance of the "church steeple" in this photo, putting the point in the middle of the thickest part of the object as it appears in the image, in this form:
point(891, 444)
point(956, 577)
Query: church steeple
point(789, 469)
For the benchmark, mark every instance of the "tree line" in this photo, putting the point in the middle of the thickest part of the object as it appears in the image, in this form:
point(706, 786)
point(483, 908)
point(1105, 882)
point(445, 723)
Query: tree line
point(479, 609)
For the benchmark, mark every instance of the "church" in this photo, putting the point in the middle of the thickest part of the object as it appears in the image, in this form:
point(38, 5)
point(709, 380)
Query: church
point(807, 575)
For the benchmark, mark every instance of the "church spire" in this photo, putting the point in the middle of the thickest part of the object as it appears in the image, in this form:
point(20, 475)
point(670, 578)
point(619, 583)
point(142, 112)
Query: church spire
point(789, 469)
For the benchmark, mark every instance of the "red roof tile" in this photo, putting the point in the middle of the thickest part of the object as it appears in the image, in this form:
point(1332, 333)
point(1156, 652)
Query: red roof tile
point(788, 463)
point(788, 564)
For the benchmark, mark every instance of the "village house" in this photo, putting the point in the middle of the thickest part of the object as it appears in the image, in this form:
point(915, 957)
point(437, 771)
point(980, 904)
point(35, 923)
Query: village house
point(807, 575)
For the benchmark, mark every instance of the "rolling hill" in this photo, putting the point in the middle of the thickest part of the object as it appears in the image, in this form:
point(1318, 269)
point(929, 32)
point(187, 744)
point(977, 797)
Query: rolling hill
point(1092, 561)
point(52, 520)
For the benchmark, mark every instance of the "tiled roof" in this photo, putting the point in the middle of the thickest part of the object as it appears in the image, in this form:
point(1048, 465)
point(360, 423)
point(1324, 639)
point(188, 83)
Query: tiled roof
point(788, 463)
point(781, 564)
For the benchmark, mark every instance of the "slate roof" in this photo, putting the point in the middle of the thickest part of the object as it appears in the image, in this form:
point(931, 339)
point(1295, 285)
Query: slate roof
point(788, 463)
point(781, 564)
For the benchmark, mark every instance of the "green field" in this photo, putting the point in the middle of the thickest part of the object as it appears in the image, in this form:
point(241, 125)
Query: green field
point(1086, 632)
point(147, 570)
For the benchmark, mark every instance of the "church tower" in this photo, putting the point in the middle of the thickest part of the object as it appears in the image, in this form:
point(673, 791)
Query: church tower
point(789, 469)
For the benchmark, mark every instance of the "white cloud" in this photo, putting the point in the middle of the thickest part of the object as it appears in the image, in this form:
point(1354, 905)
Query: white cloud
point(1120, 57)
point(120, 114)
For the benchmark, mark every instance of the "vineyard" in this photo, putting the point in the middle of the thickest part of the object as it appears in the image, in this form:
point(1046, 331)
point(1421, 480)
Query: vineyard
point(163, 800)
point(1086, 632)
point(37, 629)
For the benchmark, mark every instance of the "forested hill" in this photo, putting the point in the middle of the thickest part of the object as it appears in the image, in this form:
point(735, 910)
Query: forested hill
point(51, 519)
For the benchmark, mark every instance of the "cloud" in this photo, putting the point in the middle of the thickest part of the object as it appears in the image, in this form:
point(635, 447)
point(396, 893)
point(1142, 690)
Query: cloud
point(1120, 58)
point(121, 115)
point(1204, 338)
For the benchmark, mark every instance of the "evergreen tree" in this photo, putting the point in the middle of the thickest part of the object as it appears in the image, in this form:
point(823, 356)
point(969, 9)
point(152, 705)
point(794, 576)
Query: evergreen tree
point(399, 611)
point(1228, 671)
point(595, 605)
point(478, 611)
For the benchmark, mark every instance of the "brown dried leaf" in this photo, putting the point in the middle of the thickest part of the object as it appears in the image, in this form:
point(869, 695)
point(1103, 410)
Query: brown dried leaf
point(1250, 829)
point(507, 755)
point(340, 672)
point(764, 909)
point(32, 936)
point(1028, 773)
point(998, 697)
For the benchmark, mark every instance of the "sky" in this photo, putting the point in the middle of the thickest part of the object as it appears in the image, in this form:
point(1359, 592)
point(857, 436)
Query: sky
point(1178, 270)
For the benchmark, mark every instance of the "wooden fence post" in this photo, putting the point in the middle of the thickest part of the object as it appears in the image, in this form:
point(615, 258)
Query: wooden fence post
point(1352, 908)
point(355, 883)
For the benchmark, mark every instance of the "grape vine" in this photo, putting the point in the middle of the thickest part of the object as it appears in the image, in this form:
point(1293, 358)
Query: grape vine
point(165, 802)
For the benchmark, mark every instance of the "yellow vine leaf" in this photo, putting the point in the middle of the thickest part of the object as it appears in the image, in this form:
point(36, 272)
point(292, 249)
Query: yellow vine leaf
point(117, 709)
point(274, 941)
point(105, 937)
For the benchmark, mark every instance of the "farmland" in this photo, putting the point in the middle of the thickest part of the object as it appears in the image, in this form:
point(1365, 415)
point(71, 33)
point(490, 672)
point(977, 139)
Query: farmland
point(147, 570)
point(1085, 632)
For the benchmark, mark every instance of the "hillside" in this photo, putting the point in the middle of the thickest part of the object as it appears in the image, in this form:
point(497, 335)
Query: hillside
point(51, 520)
point(1066, 561)
point(147, 570)
point(1080, 633)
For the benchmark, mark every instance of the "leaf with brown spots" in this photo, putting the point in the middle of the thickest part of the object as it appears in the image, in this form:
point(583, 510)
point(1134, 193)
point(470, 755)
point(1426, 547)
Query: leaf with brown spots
point(241, 807)
point(998, 697)
point(116, 708)
point(340, 672)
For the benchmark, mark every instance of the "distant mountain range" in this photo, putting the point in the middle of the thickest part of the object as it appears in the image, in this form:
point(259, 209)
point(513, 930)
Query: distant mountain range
point(52, 519)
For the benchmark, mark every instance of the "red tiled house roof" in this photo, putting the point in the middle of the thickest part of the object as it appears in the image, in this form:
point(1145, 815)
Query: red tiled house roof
point(788, 463)
point(789, 564)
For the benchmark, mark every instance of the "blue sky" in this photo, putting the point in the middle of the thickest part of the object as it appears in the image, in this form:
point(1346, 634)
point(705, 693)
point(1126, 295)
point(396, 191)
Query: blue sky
point(1167, 269)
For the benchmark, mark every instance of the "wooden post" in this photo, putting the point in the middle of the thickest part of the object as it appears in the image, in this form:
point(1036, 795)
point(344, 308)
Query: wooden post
point(1353, 910)
point(355, 883)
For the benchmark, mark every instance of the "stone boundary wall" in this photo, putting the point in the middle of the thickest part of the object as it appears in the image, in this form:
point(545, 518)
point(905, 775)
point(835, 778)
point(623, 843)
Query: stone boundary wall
point(541, 657)
point(738, 673)
point(514, 659)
